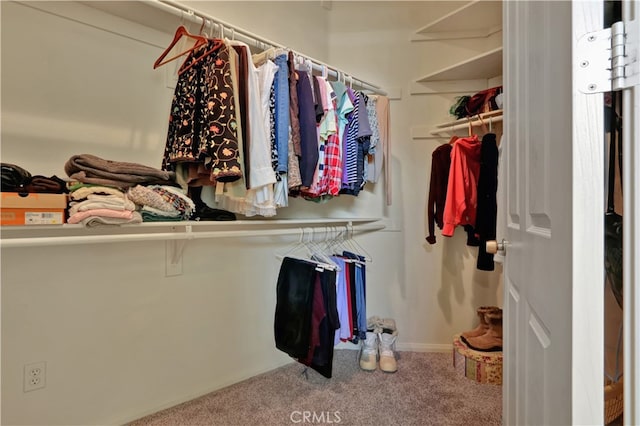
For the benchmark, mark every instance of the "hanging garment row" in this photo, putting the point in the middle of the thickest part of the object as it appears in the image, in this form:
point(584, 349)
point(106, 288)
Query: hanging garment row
point(462, 191)
point(321, 301)
point(260, 128)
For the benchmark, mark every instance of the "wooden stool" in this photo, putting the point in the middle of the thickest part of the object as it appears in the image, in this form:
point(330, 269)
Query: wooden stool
point(483, 367)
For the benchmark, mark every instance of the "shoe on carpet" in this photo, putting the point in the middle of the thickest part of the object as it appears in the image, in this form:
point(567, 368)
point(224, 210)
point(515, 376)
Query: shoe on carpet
point(369, 352)
point(387, 345)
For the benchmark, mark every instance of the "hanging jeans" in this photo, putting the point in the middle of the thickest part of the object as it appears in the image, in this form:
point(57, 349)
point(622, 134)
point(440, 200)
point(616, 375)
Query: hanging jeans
point(281, 86)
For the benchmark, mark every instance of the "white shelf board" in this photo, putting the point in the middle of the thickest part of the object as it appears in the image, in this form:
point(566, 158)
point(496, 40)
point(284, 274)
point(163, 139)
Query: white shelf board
point(483, 66)
point(463, 87)
point(456, 35)
point(496, 113)
point(479, 18)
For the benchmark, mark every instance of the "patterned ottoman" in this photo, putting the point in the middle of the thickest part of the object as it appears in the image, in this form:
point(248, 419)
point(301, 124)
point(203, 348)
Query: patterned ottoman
point(483, 367)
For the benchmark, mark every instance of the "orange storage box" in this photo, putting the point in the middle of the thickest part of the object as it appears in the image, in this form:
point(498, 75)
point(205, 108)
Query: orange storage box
point(33, 209)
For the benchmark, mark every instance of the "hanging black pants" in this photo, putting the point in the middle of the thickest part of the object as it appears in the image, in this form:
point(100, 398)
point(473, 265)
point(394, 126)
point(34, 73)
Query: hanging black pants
point(294, 306)
point(306, 316)
point(487, 204)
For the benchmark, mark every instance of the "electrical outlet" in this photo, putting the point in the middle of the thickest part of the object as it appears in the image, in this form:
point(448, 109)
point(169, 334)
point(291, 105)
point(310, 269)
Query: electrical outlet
point(35, 376)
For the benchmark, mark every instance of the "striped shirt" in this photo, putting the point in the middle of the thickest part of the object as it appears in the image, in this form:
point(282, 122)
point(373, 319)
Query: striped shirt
point(350, 144)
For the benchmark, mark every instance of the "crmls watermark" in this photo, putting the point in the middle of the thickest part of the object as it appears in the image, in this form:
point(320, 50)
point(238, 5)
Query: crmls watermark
point(326, 417)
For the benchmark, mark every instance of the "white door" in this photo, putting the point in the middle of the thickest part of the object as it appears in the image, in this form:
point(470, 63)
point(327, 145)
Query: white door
point(553, 280)
point(631, 228)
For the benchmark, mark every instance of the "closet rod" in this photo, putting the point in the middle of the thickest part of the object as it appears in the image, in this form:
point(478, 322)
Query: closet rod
point(166, 236)
point(180, 10)
point(465, 124)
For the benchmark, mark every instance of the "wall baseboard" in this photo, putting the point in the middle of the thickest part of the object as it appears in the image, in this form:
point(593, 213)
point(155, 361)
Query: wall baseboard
point(406, 347)
point(423, 347)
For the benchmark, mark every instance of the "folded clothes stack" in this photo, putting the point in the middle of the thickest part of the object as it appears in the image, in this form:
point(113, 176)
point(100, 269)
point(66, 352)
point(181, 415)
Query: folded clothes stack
point(110, 193)
point(88, 168)
point(101, 198)
point(161, 203)
point(97, 205)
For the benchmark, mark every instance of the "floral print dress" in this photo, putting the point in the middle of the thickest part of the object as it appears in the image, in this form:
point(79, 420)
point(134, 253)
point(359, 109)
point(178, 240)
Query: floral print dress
point(203, 125)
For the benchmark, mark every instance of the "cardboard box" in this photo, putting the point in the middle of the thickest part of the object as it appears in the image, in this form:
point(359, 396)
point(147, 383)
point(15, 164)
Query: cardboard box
point(34, 209)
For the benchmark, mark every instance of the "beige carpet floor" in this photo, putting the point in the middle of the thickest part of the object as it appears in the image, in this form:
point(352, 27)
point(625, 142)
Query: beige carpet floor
point(426, 390)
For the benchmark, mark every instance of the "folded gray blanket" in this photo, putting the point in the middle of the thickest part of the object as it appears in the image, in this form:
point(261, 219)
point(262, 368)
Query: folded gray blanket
point(88, 168)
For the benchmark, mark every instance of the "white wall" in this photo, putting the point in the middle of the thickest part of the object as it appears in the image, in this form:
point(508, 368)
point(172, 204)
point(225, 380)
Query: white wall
point(120, 339)
point(437, 288)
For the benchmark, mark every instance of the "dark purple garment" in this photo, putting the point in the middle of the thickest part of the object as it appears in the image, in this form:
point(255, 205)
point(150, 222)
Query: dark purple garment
point(308, 133)
point(364, 127)
point(318, 101)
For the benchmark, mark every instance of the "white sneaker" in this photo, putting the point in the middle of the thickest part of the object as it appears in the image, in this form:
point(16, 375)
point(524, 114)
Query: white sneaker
point(369, 352)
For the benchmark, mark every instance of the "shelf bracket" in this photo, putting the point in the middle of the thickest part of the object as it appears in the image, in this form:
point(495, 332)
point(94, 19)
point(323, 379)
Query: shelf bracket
point(174, 250)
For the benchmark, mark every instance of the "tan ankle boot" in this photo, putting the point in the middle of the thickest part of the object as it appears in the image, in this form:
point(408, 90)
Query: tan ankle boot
point(483, 327)
point(387, 340)
point(369, 352)
point(491, 341)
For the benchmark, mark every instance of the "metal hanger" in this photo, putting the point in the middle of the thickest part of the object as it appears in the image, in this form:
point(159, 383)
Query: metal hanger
point(318, 254)
point(358, 249)
point(310, 250)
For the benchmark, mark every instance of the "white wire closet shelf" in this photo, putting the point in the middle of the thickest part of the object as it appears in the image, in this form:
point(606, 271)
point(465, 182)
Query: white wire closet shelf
point(56, 235)
point(491, 120)
point(488, 119)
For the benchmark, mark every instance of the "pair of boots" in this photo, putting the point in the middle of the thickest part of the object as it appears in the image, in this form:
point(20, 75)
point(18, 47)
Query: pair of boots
point(380, 342)
point(487, 336)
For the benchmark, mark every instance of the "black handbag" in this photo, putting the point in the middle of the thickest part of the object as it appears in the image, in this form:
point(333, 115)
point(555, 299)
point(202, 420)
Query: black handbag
point(612, 220)
point(14, 178)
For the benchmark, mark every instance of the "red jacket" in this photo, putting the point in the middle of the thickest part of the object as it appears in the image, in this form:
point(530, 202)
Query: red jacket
point(462, 189)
